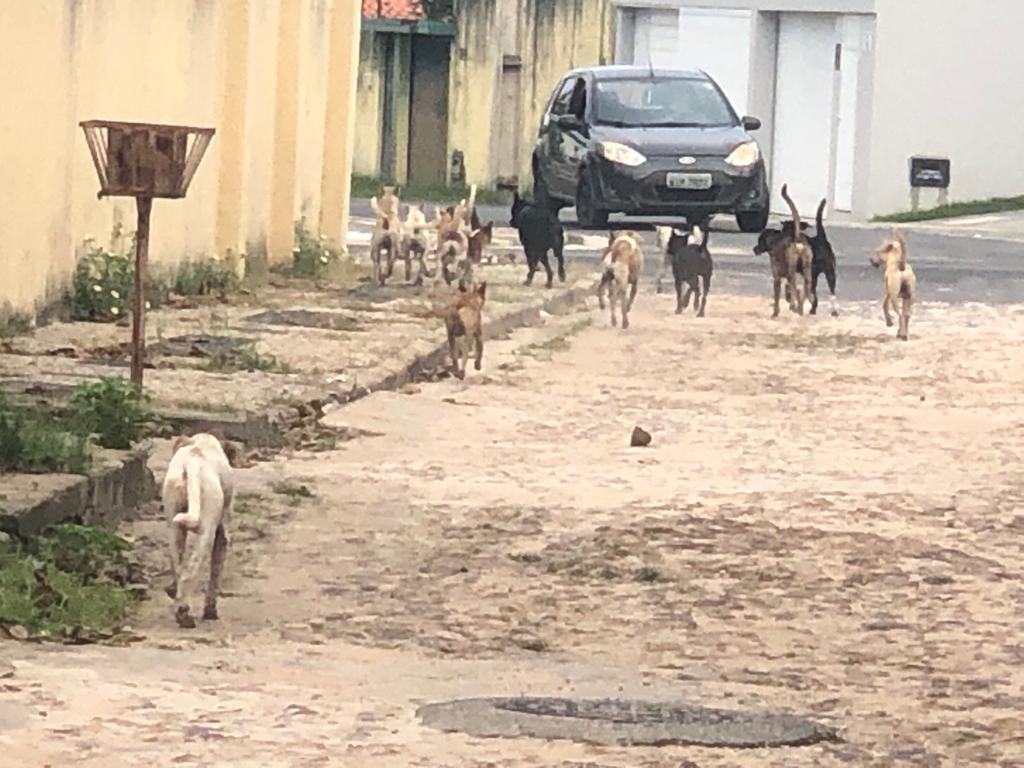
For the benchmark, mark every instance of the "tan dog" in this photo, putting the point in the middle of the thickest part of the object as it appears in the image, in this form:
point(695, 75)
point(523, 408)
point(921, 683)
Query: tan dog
point(197, 493)
point(464, 322)
point(621, 267)
point(791, 255)
point(387, 233)
point(452, 239)
point(899, 281)
point(414, 242)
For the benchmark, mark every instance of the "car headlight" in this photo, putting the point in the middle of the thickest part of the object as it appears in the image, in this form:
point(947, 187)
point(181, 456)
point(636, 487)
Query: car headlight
point(620, 153)
point(745, 155)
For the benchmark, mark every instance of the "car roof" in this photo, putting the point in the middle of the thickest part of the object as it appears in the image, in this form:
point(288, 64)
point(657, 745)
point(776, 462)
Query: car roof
point(623, 72)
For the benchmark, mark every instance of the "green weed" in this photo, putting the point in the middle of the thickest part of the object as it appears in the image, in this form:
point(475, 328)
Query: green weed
point(111, 409)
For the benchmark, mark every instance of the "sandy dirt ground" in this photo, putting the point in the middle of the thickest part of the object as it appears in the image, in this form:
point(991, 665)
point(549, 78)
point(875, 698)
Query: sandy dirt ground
point(828, 522)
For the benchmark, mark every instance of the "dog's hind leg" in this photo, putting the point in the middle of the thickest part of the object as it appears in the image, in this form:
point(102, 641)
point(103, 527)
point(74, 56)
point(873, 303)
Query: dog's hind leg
point(814, 292)
point(680, 301)
point(559, 248)
point(547, 269)
point(187, 581)
point(777, 292)
point(478, 341)
point(830, 278)
point(695, 289)
point(908, 303)
point(217, 557)
point(634, 285)
point(665, 265)
point(885, 308)
point(178, 539)
point(704, 296)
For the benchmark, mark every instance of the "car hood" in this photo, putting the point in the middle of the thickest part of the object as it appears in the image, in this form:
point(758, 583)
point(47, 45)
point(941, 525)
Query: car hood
point(669, 142)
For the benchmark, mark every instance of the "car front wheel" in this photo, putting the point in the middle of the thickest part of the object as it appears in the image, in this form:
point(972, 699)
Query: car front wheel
point(587, 213)
point(752, 221)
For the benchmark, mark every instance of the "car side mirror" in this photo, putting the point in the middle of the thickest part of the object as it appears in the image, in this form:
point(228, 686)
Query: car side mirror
point(569, 122)
point(751, 124)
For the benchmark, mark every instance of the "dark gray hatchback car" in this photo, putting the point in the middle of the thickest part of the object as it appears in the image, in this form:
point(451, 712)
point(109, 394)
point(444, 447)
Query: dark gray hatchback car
point(648, 142)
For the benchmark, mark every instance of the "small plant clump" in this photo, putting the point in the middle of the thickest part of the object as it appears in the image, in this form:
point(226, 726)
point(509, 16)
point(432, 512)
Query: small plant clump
point(311, 258)
point(112, 410)
point(102, 286)
point(244, 358)
point(14, 324)
point(37, 443)
point(69, 583)
point(206, 277)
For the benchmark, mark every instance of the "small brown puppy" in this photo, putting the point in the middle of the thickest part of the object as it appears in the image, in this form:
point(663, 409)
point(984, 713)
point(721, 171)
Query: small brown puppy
point(791, 255)
point(899, 281)
point(464, 322)
point(621, 267)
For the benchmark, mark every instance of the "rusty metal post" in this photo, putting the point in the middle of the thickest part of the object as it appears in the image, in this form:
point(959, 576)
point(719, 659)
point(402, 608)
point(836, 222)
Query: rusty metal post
point(144, 205)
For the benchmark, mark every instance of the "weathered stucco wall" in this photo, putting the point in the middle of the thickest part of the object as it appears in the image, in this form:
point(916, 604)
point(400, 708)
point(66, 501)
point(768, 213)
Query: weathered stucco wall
point(165, 62)
point(553, 36)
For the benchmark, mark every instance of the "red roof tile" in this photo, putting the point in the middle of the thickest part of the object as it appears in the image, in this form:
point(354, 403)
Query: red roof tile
point(393, 9)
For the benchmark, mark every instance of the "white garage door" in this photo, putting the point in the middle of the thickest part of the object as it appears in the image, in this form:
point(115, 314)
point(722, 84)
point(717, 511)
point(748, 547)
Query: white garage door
point(805, 78)
point(656, 38)
point(716, 41)
point(719, 43)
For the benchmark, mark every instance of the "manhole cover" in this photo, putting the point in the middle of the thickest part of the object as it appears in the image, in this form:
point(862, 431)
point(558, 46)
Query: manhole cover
point(623, 722)
point(306, 318)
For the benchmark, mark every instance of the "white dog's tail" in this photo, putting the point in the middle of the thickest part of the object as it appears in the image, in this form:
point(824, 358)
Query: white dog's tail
point(194, 489)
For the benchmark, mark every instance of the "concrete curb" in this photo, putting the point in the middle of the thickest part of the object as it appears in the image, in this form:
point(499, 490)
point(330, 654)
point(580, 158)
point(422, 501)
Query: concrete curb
point(267, 429)
point(121, 483)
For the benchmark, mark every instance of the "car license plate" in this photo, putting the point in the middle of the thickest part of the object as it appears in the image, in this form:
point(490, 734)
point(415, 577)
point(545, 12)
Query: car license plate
point(688, 180)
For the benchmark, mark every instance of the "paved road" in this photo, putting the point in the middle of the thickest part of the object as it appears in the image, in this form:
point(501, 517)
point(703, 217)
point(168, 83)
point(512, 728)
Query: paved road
point(952, 266)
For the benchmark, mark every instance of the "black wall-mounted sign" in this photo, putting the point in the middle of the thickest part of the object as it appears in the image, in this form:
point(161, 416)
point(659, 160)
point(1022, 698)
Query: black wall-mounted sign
point(932, 172)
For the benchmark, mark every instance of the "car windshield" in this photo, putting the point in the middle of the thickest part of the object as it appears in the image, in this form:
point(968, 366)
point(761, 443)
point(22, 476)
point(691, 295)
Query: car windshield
point(669, 102)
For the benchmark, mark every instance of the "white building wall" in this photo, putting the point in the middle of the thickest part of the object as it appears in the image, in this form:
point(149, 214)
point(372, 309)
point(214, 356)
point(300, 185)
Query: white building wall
point(947, 82)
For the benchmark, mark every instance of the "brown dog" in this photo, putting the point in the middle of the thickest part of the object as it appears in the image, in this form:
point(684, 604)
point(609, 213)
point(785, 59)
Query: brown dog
point(464, 322)
point(791, 255)
point(623, 262)
point(899, 281)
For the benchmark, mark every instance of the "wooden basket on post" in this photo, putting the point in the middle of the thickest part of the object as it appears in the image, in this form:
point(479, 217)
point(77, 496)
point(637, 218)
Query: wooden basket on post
point(144, 160)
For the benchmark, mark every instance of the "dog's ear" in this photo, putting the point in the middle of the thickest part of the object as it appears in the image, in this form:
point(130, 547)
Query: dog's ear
point(179, 441)
point(611, 238)
point(482, 289)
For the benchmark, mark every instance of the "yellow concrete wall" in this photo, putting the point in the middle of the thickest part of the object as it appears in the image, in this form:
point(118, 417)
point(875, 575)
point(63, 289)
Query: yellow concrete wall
point(314, 53)
point(366, 159)
point(554, 36)
point(201, 62)
point(473, 86)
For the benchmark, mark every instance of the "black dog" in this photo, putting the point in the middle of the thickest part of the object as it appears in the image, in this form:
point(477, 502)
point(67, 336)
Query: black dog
point(691, 262)
point(824, 257)
point(540, 231)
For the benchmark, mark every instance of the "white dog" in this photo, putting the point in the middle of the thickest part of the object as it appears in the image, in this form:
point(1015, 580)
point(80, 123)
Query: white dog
point(198, 491)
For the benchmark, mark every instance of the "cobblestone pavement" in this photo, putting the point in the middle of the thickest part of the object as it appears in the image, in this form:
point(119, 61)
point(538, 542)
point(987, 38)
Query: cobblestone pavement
point(827, 522)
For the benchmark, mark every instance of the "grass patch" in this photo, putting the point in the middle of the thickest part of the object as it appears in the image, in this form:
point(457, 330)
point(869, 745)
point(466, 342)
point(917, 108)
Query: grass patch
point(244, 358)
point(38, 443)
point(70, 583)
point(370, 186)
point(559, 343)
point(14, 324)
point(954, 210)
point(294, 491)
point(206, 277)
